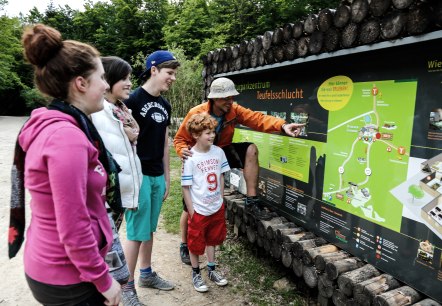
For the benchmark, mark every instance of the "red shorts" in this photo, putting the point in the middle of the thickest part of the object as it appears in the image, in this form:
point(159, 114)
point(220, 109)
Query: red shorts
point(205, 231)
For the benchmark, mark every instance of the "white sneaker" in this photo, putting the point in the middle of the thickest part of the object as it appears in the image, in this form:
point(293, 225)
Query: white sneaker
point(198, 282)
point(217, 278)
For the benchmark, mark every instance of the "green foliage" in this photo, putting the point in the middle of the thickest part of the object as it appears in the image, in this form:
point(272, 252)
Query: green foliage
point(33, 98)
point(186, 92)
point(10, 53)
point(188, 26)
point(416, 192)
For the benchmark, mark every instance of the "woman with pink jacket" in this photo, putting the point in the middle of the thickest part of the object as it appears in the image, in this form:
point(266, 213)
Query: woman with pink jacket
point(67, 172)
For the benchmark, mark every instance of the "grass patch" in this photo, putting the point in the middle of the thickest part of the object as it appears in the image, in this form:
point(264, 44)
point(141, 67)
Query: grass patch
point(173, 206)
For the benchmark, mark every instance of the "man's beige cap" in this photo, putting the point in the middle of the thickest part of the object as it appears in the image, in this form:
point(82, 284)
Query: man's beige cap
point(222, 88)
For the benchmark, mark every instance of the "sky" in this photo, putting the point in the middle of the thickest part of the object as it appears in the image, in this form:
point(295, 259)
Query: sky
point(14, 7)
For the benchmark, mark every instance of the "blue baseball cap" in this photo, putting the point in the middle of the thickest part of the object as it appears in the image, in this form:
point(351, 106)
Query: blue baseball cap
point(156, 58)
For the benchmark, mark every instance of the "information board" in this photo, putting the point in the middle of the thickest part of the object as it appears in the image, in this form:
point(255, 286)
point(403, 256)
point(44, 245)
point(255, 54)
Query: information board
point(366, 171)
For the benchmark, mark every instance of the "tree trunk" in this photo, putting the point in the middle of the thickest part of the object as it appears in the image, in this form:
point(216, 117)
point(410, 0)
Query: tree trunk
point(418, 19)
point(370, 31)
point(322, 259)
point(311, 23)
point(297, 266)
point(325, 19)
point(393, 25)
point(348, 280)
point(316, 42)
point(427, 302)
point(308, 257)
point(290, 49)
point(365, 291)
point(267, 40)
point(359, 10)
point(331, 39)
point(402, 4)
point(349, 35)
point(300, 246)
point(310, 276)
point(298, 29)
point(342, 16)
point(400, 296)
point(287, 32)
point(303, 46)
point(277, 37)
point(326, 287)
point(379, 7)
point(334, 269)
point(286, 255)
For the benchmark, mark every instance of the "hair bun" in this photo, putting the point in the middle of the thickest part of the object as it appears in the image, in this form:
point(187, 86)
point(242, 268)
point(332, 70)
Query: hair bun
point(41, 43)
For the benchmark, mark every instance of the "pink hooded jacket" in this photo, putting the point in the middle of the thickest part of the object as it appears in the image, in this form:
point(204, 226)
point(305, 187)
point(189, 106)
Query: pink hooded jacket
point(69, 233)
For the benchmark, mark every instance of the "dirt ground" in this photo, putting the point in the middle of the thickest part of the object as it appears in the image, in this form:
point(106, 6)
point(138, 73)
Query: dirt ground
point(165, 254)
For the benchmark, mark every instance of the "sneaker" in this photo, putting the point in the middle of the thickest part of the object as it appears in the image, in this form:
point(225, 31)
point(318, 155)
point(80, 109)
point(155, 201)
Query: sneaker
point(155, 281)
point(253, 209)
point(217, 278)
point(184, 254)
point(198, 283)
point(130, 298)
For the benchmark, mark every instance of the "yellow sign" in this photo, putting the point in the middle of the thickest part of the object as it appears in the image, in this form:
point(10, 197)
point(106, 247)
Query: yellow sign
point(335, 92)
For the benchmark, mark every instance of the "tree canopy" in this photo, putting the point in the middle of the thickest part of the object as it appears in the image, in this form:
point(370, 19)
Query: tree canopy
point(128, 28)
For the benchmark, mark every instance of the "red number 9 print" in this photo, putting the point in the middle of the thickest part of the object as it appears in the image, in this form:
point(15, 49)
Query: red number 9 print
point(212, 181)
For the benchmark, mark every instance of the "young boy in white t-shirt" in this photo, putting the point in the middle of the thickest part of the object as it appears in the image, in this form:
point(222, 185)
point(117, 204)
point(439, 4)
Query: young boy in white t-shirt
point(203, 188)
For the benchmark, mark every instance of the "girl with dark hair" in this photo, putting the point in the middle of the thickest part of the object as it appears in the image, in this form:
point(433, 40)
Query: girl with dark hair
point(119, 132)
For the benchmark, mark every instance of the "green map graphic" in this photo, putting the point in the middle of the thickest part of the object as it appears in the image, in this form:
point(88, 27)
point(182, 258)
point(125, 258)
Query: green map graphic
point(367, 152)
point(282, 154)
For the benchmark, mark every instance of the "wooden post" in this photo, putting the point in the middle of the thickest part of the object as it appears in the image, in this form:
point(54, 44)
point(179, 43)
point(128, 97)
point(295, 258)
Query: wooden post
point(326, 287)
point(325, 19)
point(300, 246)
point(298, 29)
point(348, 280)
point(286, 255)
point(309, 255)
point(359, 10)
point(365, 291)
point(379, 7)
point(334, 269)
point(400, 296)
point(311, 23)
point(310, 276)
point(322, 259)
point(349, 35)
point(342, 16)
point(297, 266)
point(370, 31)
point(393, 25)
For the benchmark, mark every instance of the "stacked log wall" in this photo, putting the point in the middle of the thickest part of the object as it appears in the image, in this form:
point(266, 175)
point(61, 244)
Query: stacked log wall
point(332, 275)
point(352, 24)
